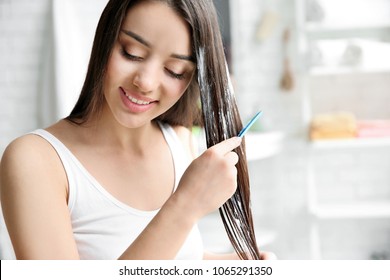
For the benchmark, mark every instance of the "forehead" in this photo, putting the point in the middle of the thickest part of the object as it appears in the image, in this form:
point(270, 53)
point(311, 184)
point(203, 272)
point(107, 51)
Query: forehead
point(159, 25)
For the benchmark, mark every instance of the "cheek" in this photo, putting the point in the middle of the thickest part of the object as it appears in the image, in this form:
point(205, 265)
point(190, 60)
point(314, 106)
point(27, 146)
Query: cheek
point(113, 78)
point(176, 90)
point(116, 68)
point(110, 75)
point(180, 86)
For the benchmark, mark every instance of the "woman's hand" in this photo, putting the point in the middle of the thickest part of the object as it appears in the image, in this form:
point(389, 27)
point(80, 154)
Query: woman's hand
point(210, 180)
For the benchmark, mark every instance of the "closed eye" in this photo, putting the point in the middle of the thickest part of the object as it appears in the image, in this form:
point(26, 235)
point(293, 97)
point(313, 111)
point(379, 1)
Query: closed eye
point(130, 56)
point(138, 59)
point(175, 75)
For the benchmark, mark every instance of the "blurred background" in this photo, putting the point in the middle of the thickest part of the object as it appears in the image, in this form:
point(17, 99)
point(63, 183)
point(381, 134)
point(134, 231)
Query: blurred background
point(319, 157)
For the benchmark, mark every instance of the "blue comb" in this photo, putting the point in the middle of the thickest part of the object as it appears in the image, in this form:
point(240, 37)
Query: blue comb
point(251, 122)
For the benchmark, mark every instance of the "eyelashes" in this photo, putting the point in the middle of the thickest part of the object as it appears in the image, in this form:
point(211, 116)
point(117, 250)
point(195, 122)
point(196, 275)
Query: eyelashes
point(135, 58)
point(130, 56)
point(175, 75)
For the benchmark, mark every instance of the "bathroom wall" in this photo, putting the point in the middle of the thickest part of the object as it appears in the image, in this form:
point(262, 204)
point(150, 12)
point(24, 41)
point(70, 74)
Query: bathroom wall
point(22, 31)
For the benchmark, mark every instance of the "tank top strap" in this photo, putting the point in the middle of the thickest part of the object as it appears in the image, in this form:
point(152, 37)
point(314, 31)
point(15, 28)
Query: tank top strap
point(66, 157)
point(180, 156)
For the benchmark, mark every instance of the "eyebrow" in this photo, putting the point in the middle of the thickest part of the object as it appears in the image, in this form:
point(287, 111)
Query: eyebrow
point(148, 44)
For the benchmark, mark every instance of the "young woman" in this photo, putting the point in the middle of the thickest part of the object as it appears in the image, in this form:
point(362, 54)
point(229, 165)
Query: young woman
point(117, 178)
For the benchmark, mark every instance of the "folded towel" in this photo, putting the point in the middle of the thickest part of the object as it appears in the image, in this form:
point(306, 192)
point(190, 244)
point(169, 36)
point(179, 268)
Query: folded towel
point(373, 128)
point(318, 135)
point(333, 125)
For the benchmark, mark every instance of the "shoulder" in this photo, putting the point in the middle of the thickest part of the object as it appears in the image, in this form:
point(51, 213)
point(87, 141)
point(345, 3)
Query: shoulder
point(182, 132)
point(186, 138)
point(30, 159)
point(34, 195)
point(27, 147)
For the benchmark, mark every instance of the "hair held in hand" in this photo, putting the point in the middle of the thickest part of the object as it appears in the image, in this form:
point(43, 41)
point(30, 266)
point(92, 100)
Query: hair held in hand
point(221, 121)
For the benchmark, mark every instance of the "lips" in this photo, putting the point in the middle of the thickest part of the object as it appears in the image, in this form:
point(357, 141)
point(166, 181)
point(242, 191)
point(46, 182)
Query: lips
point(137, 99)
point(135, 102)
point(139, 102)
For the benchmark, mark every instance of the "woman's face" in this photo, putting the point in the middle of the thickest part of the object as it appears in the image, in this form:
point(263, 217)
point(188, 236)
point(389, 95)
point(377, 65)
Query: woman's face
point(150, 66)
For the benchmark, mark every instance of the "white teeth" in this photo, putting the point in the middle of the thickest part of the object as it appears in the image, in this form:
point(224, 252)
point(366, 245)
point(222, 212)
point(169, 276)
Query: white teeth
point(140, 102)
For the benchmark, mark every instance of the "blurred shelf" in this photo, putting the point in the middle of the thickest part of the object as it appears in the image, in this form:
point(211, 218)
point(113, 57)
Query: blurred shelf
point(328, 71)
point(351, 143)
point(260, 145)
point(335, 48)
point(327, 30)
point(355, 210)
point(365, 56)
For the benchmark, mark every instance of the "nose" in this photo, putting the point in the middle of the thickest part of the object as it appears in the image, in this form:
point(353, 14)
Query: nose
point(147, 78)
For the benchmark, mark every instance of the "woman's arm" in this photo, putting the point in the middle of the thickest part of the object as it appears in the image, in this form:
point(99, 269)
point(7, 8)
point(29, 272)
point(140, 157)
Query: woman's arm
point(33, 188)
point(34, 201)
point(207, 183)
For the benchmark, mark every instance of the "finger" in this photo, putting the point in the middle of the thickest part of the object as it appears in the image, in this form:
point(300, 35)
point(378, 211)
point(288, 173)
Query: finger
point(232, 158)
point(227, 145)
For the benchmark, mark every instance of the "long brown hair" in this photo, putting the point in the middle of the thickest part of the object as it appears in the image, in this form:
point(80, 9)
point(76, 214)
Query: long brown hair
point(218, 108)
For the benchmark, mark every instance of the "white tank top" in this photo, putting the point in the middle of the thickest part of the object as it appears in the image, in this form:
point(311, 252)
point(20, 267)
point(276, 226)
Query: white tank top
point(103, 226)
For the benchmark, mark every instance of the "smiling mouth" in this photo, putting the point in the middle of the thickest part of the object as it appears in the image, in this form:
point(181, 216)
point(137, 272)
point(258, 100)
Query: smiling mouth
point(137, 101)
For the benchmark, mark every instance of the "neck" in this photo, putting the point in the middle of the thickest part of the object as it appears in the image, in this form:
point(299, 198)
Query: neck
point(107, 133)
